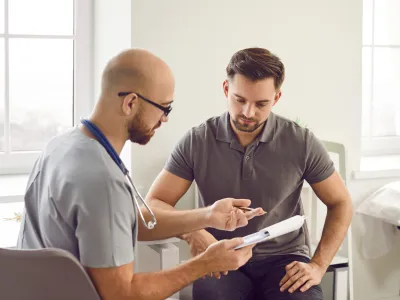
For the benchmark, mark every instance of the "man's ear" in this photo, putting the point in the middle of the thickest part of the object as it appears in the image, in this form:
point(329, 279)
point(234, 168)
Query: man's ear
point(130, 104)
point(225, 86)
point(277, 97)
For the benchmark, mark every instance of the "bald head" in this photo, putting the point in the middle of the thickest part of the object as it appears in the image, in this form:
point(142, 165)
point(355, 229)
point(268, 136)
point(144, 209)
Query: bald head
point(147, 85)
point(138, 71)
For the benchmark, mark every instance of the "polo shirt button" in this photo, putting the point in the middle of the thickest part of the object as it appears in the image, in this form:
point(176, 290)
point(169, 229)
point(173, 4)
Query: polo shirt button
point(247, 157)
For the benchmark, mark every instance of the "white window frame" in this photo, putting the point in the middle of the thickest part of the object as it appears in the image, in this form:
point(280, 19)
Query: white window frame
point(385, 145)
point(22, 162)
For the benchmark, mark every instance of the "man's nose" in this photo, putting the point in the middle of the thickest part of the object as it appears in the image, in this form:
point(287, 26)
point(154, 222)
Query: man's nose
point(249, 111)
point(164, 118)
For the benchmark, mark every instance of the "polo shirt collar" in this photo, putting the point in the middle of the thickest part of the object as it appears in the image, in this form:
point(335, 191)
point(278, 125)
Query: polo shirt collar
point(225, 132)
point(268, 132)
point(224, 129)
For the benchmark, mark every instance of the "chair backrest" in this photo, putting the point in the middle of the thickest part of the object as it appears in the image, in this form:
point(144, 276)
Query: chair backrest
point(336, 148)
point(44, 274)
point(338, 156)
point(346, 247)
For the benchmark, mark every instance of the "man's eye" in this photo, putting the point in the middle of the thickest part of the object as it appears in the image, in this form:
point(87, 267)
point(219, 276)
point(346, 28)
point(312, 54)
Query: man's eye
point(261, 105)
point(240, 100)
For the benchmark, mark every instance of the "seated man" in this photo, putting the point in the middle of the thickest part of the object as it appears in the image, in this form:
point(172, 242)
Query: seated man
point(79, 200)
point(249, 152)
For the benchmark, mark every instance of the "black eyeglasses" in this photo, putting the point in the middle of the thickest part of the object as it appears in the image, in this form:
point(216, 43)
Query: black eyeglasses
point(166, 110)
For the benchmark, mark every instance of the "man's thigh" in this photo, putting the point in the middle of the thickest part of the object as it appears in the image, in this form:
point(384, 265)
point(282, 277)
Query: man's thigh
point(267, 288)
point(234, 286)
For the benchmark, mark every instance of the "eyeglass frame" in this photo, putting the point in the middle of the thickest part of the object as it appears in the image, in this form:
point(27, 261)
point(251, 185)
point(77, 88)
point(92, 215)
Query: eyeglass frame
point(166, 110)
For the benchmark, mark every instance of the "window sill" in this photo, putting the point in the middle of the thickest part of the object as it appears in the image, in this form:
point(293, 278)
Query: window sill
point(12, 188)
point(371, 167)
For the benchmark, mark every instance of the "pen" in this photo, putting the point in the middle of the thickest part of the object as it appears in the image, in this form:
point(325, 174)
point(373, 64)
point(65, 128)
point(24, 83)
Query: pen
point(248, 209)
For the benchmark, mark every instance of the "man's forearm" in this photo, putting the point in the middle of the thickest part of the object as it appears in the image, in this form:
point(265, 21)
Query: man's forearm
point(161, 285)
point(171, 222)
point(337, 222)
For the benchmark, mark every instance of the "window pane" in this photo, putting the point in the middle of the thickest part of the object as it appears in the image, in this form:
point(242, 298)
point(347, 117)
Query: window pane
point(366, 89)
point(10, 214)
point(367, 22)
point(41, 17)
point(2, 83)
point(386, 103)
point(387, 22)
point(41, 91)
point(2, 16)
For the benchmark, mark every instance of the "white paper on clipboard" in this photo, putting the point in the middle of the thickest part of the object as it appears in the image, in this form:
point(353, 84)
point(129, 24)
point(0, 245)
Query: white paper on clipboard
point(273, 231)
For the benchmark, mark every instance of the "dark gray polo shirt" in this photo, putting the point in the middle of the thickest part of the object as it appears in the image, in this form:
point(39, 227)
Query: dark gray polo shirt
point(270, 172)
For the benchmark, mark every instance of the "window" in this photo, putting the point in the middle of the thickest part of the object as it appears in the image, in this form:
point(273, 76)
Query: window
point(381, 77)
point(45, 75)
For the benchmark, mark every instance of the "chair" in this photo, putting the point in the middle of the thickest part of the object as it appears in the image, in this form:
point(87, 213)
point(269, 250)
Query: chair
point(341, 266)
point(44, 274)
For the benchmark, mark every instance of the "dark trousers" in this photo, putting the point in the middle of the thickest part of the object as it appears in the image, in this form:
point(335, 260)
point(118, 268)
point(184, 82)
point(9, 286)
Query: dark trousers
point(257, 280)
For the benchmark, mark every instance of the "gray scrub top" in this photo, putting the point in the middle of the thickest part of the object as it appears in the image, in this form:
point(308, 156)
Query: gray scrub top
point(77, 199)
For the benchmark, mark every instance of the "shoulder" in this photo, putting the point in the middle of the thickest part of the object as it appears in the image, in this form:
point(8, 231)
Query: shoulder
point(75, 159)
point(290, 130)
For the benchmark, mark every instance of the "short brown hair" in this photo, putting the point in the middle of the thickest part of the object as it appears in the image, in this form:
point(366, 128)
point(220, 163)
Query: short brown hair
point(256, 64)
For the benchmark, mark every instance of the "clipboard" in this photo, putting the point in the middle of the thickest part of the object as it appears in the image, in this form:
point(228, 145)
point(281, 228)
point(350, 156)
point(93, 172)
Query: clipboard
point(273, 231)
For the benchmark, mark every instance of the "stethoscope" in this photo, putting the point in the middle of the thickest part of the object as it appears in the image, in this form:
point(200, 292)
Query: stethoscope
point(115, 157)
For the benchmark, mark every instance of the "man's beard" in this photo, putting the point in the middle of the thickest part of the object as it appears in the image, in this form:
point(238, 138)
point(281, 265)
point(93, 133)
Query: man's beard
point(246, 127)
point(139, 133)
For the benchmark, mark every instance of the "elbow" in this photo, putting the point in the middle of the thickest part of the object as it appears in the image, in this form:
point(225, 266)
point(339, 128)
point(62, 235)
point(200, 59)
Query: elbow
point(154, 202)
point(343, 207)
point(349, 206)
point(150, 199)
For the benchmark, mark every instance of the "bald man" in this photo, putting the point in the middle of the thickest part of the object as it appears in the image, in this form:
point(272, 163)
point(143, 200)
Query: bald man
point(78, 199)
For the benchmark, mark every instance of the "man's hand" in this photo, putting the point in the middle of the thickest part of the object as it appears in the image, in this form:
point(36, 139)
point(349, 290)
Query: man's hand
point(224, 214)
point(198, 242)
point(299, 274)
point(221, 256)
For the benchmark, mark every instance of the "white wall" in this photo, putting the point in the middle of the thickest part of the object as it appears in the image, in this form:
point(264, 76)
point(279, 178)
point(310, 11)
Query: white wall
point(112, 34)
point(320, 44)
